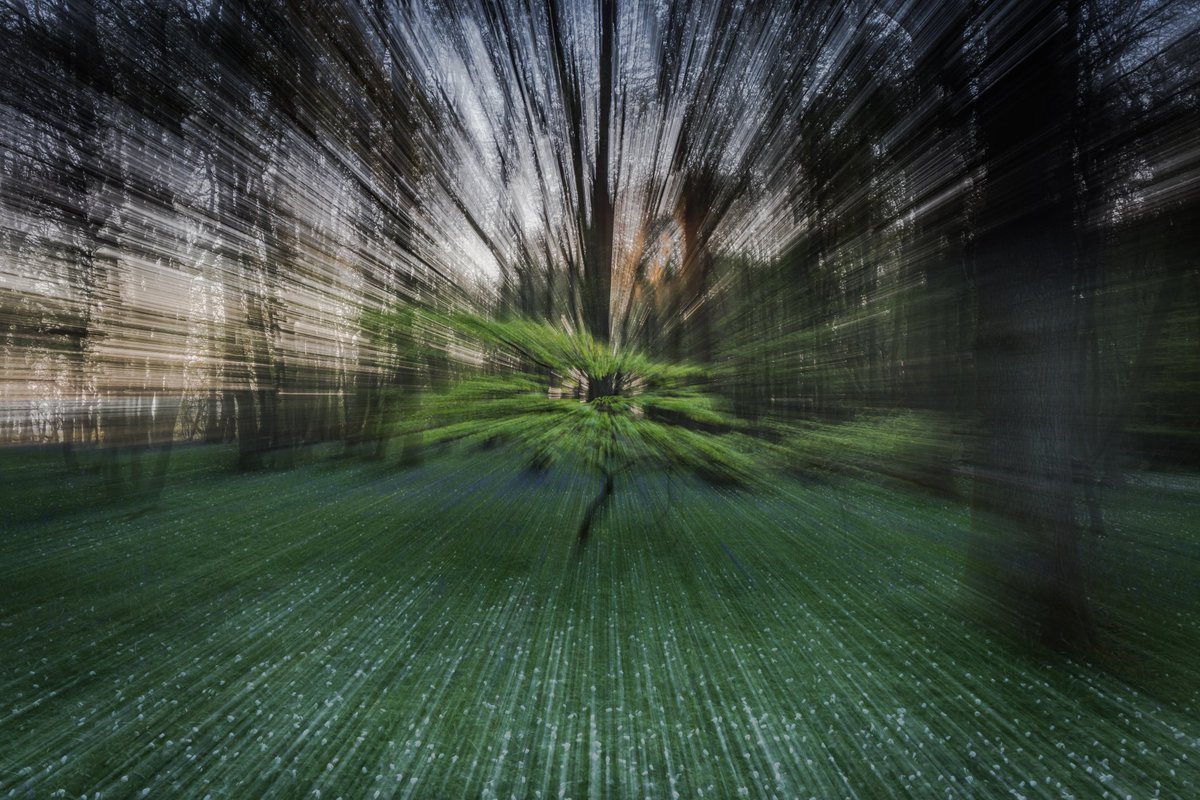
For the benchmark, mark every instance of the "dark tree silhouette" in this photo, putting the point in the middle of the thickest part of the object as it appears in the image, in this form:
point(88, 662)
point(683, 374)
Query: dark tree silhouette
point(1026, 341)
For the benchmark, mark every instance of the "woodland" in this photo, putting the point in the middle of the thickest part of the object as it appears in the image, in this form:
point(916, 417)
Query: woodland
point(599, 398)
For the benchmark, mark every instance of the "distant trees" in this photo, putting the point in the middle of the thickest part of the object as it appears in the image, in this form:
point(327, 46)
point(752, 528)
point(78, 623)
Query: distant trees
point(980, 225)
point(68, 194)
point(1054, 135)
point(608, 204)
point(199, 202)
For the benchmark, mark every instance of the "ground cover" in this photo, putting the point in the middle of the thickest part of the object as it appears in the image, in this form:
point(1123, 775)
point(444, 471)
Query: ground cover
point(354, 630)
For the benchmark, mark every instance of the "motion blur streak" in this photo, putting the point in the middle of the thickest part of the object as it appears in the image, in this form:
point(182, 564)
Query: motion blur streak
point(952, 248)
point(200, 199)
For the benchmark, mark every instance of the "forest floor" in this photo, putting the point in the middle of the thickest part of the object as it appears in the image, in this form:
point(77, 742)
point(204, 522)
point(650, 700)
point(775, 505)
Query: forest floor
point(340, 629)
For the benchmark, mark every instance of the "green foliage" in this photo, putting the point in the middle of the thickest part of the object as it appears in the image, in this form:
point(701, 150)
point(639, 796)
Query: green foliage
point(917, 447)
point(532, 393)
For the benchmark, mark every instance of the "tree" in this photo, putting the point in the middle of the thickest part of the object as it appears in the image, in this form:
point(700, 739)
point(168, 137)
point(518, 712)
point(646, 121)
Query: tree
point(656, 416)
point(1025, 342)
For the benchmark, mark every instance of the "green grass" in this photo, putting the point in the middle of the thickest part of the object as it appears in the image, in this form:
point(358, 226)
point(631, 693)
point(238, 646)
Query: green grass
point(439, 632)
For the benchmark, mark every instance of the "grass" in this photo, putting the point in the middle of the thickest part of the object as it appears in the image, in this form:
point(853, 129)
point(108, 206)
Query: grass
point(358, 631)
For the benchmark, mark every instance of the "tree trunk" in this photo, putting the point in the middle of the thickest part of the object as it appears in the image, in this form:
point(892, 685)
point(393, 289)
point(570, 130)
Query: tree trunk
point(598, 262)
point(597, 506)
point(1027, 557)
point(603, 386)
point(249, 453)
point(695, 205)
